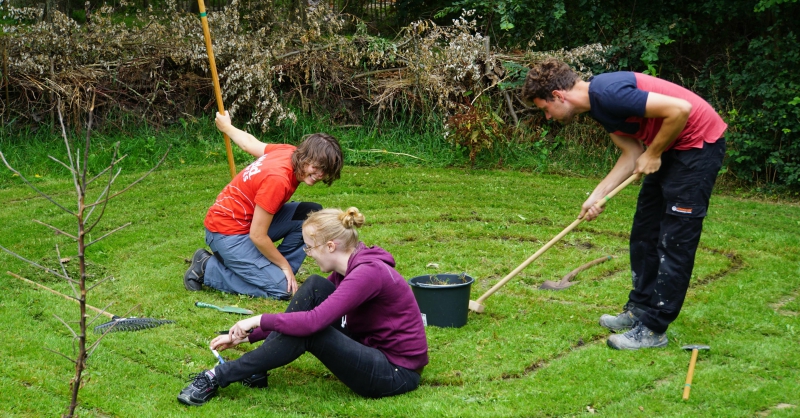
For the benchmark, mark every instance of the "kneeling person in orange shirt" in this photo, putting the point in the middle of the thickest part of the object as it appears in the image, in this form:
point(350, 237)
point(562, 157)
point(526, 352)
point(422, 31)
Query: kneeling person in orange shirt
point(252, 212)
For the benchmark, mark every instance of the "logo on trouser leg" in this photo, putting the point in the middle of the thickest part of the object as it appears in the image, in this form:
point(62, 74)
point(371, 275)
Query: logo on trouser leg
point(681, 210)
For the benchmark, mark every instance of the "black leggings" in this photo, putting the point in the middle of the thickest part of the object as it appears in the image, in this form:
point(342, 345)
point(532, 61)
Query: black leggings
point(363, 369)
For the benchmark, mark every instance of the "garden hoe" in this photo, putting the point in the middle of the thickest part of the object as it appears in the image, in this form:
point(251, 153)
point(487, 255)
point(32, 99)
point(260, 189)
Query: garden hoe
point(116, 323)
point(695, 349)
point(565, 281)
point(477, 305)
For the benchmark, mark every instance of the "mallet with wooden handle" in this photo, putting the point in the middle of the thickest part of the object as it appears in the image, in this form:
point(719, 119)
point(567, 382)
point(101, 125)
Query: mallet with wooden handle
point(477, 305)
point(695, 349)
point(217, 91)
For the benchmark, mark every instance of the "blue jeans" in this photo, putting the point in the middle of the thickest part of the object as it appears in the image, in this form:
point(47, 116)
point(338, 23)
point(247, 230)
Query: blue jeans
point(243, 269)
point(666, 229)
point(363, 369)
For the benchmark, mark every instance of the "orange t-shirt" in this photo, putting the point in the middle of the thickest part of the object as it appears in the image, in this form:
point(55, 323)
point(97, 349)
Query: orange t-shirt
point(268, 182)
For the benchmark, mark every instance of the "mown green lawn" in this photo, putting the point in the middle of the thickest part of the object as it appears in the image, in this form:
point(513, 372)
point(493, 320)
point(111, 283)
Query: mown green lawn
point(532, 353)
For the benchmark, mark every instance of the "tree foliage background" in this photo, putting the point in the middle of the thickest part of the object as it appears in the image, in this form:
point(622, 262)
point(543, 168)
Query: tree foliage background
point(382, 58)
point(739, 55)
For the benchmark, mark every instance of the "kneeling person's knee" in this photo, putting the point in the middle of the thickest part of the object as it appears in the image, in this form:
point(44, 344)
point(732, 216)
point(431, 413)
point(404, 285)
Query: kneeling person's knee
point(304, 209)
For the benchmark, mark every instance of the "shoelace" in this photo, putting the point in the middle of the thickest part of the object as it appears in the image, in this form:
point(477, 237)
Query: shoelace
point(637, 331)
point(200, 380)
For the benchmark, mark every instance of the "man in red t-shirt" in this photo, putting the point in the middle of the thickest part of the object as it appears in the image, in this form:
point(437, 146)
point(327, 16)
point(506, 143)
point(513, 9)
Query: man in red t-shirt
point(251, 213)
point(675, 138)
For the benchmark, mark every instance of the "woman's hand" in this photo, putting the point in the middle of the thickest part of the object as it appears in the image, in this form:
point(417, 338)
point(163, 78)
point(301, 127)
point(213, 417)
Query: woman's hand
point(240, 329)
point(291, 281)
point(224, 342)
point(223, 122)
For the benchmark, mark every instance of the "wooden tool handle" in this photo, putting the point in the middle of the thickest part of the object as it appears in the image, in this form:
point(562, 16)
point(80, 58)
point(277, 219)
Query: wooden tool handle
point(528, 261)
point(215, 79)
point(600, 203)
point(688, 386)
point(100, 311)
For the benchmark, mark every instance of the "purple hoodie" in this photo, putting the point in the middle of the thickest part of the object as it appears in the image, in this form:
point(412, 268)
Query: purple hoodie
point(380, 308)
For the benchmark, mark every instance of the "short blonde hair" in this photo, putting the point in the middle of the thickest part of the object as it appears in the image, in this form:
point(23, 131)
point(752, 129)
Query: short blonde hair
point(335, 225)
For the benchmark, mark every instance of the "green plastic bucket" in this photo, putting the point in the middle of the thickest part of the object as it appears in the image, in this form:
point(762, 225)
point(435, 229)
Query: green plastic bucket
point(443, 299)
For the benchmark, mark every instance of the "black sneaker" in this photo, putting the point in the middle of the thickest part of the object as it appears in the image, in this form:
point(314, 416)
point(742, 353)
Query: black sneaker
point(193, 279)
point(256, 381)
point(200, 390)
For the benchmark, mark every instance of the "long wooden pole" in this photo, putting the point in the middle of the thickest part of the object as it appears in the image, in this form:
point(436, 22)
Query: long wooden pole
point(217, 91)
point(477, 305)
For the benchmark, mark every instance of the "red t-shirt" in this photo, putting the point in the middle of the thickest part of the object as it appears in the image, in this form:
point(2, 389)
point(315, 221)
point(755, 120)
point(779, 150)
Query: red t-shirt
point(618, 102)
point(268, 182)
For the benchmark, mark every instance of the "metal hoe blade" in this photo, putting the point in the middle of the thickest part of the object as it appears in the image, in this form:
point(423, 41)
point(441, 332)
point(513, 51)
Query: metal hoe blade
point(565, 281)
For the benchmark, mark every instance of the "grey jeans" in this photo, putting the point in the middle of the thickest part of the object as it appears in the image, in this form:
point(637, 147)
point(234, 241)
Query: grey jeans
point(244, 269)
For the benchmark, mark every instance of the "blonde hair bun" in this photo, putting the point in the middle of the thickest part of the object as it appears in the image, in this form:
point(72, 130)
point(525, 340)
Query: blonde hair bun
point(351, 218)
point(335, 224)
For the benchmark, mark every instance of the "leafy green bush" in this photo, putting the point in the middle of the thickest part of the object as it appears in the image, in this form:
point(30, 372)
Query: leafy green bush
point(739, 56)
point(765, 126)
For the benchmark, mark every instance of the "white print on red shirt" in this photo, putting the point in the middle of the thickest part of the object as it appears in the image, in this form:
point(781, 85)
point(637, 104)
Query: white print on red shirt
point(252, 169)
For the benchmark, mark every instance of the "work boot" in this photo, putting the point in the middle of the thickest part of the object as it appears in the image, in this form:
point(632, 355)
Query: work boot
point(256, 381)
point(638, 337)
point(193, 279)
point(624, 321)
point(203, 387)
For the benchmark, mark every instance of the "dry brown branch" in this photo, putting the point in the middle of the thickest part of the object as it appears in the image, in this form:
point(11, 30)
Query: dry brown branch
point(36, 189)
point(109, 233)
point(383, 151)
point(99, 282)
point(135, 182)
point(60, 354)
point(57, 230)
point(72, 331)
point(385, 70)
point(35, 264)
point(63, 164)
point(64, 270)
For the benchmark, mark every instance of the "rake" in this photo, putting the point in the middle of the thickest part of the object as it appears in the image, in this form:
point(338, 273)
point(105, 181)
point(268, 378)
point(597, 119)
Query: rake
point(117, 323)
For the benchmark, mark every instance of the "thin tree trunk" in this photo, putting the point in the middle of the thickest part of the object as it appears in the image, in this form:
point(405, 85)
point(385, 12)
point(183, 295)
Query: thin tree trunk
point(5, 77)
point(52, 102)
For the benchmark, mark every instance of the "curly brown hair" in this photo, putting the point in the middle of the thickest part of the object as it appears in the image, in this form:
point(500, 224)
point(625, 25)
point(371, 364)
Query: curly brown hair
point(546, 76)
point(323, 151)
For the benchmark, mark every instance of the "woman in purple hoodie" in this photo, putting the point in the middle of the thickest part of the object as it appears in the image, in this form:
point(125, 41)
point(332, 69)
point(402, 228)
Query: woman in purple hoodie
point(362, 322)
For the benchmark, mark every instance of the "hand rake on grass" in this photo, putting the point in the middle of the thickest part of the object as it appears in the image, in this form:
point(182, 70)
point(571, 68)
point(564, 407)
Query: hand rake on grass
point(117, 323)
